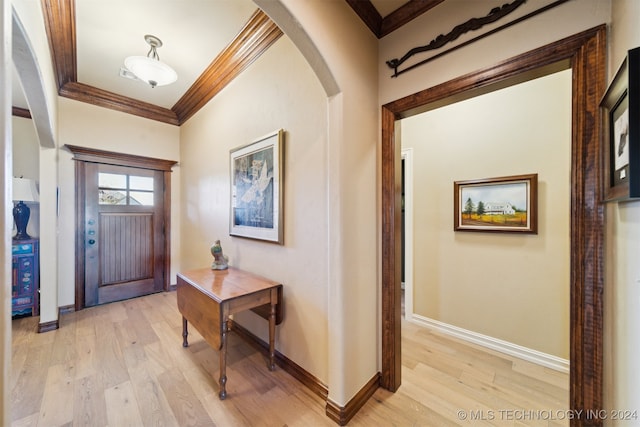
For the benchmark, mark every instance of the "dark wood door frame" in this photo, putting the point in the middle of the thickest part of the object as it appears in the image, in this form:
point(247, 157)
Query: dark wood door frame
point(82, 155)
point(585, 55)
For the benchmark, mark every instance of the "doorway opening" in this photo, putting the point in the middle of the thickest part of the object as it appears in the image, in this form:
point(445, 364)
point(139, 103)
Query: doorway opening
point(489, 287)
point(407, 233)
point(584, 54)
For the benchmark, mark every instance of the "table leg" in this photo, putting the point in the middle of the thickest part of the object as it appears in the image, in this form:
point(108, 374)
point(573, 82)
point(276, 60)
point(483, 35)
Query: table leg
point(223, 360)
point(185, 343)
point(272, 337)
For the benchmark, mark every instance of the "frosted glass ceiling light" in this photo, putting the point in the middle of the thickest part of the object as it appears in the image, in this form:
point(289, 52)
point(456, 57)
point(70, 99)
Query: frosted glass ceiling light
point(148, 68)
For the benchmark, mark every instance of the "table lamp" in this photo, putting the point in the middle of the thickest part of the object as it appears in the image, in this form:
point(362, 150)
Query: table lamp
point(24, 190)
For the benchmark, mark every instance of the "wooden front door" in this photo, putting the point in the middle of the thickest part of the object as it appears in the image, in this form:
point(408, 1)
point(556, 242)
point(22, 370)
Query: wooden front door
point(124, 244)
point(123, 222)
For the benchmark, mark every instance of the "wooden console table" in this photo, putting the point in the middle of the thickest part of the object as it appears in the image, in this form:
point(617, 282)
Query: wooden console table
point(207, 298)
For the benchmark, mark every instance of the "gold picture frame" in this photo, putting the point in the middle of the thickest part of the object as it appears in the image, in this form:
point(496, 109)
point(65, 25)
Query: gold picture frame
point(504, 204)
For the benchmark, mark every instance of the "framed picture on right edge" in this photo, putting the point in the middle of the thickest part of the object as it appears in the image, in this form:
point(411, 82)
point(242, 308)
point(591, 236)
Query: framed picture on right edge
point(621, 156)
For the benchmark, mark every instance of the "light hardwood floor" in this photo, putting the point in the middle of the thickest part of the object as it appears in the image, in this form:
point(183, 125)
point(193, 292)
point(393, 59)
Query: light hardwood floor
point(123, 364)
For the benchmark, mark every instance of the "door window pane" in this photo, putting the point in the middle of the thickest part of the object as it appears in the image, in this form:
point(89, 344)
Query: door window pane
point(144, 198)
point(119, 189)
point(141, 183)
point(112, 197)
point(112, 180)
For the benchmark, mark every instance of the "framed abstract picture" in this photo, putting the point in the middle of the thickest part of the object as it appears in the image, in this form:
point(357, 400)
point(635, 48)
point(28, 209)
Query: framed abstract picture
point(256, 189)
point(504, 204)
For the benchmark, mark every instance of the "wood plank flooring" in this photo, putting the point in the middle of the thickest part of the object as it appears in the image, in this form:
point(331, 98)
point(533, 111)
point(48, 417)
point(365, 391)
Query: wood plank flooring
point(123, 364)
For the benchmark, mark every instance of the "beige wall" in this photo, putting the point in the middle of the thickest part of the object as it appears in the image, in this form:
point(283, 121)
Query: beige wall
point(26, 161)
point(622, 290)
point(511, 287)
point(25, 148)
point(347, 51)
point(277, 91)
point(95, 127)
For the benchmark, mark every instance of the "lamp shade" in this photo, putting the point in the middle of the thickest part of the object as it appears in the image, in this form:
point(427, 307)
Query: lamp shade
point(24, 190)
point(151, 71)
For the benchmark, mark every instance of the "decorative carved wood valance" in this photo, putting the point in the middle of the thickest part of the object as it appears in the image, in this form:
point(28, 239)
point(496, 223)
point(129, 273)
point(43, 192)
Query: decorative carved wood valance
point(471, 25)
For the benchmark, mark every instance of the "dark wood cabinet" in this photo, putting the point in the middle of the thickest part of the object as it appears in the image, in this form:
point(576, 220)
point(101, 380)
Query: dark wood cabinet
point(26, 279)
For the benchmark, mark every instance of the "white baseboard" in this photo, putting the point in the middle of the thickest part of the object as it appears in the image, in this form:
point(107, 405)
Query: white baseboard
point(534, 356)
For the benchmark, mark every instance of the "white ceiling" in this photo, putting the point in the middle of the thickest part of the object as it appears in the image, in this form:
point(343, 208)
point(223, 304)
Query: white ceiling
point(193, 33)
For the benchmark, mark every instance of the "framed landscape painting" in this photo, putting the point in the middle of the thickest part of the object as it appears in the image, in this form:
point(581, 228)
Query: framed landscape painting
point(504, 204)
point(256, 189)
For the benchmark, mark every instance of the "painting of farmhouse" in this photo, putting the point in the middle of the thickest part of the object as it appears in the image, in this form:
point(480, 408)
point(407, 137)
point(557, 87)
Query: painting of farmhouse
point(497, 204)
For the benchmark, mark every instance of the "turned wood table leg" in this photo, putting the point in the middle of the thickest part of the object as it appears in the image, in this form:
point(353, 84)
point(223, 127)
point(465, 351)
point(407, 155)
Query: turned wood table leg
point(272, 337)
point(185, 343)
point(223, 360)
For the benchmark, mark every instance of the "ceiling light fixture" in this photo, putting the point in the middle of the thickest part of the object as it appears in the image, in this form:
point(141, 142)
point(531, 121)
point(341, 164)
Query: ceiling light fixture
point(148, 68)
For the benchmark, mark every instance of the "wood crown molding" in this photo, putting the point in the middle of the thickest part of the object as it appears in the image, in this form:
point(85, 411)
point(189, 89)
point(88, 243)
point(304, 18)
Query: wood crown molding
point(60, 24)
point(253, 40)
point(368, 14)
point(406, 13)
point(258, 34)
point(102, 98)
point(379, 26)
